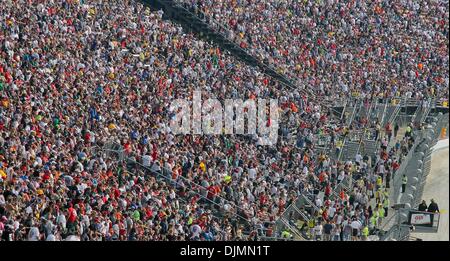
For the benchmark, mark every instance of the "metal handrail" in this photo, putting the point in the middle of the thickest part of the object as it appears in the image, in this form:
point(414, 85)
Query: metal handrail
point(187, 203)
point(134, 174)
point(308, 201)
point(227, 30)
point(343, 109)
point(306, 218)
point(290, 227)
point(345, 139)
point(189, 182)
point(368, 115)
point(403, 167)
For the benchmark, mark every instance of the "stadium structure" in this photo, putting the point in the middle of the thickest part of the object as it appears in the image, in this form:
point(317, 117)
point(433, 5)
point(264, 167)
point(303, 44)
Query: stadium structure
point(360, 142)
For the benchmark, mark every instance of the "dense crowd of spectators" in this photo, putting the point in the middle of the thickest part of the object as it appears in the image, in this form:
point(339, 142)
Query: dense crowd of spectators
point(78, 75)
point(340, 48)
point(357, 211)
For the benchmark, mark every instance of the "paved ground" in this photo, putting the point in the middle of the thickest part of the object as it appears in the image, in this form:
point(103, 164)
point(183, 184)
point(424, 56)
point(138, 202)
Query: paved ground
point(437, 187)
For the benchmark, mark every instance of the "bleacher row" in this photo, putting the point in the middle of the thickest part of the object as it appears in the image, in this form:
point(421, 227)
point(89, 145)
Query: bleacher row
point(76, 76)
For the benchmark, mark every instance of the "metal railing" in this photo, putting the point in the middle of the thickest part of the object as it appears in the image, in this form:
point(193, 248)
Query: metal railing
point(115, 150)
point(351, 119)
point(417, 162)
point(292, 214)
point(374, 102)
point(226, 32)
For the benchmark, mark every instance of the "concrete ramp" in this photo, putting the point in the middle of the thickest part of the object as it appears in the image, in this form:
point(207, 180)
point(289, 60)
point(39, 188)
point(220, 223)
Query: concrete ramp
point(437, 188)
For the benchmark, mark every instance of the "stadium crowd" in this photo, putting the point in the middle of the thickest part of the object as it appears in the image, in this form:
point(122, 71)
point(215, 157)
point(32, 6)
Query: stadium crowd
point(337, 48)
point(357, 211)
point(78, 75)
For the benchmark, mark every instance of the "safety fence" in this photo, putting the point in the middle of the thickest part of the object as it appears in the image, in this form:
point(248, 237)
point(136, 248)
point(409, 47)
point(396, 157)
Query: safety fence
point(417, 166)
point(297, 215)
point(396, 100)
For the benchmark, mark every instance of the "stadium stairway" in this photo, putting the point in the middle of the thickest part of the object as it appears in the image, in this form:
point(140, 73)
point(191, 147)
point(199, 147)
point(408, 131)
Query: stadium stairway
point(421, 114)
point(349, 150)
point(385, 113)
point(353, 140)
point(391, 114)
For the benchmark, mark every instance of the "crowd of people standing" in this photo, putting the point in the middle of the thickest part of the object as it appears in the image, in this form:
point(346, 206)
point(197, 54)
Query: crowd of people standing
point(78, 75)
